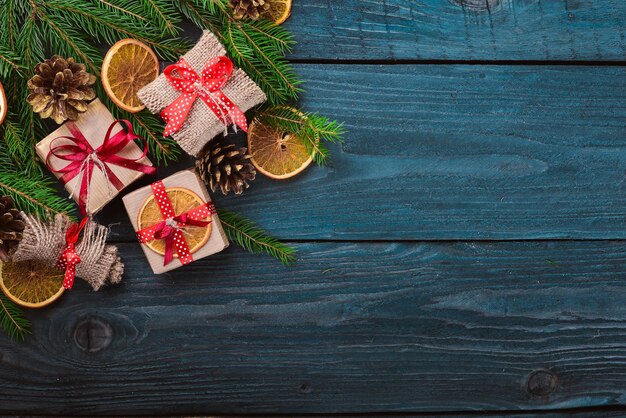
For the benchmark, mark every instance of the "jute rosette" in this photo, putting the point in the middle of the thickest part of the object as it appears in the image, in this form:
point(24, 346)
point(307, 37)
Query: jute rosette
point(99, 264)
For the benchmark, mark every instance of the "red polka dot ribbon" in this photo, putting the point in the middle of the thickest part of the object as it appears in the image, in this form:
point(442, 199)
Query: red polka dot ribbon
point(171, 228)
point(82, 158)
point(208, 87)
point(69, 258)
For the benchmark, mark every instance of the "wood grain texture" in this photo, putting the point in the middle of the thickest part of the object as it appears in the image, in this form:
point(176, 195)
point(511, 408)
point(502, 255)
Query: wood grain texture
point(354, 327)
point(454, 152)
point(459, 30)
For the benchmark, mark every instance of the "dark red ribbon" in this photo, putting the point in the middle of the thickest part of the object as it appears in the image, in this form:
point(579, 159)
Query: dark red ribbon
point(69, 258)
point(170, 228)
point(80, 155)
point(208, 87)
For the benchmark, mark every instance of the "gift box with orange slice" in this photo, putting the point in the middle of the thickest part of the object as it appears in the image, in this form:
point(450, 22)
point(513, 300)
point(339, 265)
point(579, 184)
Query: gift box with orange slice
point(175, 221)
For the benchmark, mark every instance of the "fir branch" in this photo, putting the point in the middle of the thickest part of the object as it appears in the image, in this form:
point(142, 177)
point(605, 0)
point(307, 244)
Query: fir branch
point(106, 25)
point(12, 319)
point(34, 194)
point(246, 234)
point(6, 162)
point(9, 61)
point(16, 150)
point(312, 128)
point(163, 13)
point(8, 31)
point(30, 44)
point(202, 17)
point(262, 58)
point(129, 7)
point(70, 43)
point(103, 24)
point(277, 36)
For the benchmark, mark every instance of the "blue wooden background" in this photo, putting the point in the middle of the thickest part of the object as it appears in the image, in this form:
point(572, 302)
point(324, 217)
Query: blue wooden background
point(464, 251)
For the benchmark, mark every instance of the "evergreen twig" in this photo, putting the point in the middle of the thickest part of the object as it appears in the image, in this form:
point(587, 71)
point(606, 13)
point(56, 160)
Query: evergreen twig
point(34, 194)
point(246, 234)
point(12, 319)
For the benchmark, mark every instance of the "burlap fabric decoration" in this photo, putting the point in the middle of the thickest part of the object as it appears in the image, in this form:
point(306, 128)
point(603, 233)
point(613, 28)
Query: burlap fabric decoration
point(202, 124)
point(100, 263)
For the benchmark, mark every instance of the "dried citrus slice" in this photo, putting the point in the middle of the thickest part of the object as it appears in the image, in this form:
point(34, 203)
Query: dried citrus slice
point(279, 11)
point(31, 284)
point(277, 154)
point(182, 201)
point(3, 104)
point(128, 66)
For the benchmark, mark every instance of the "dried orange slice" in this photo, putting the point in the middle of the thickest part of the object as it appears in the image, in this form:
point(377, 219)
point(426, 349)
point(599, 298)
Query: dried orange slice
point(279, 11)
point(128, 66)
point(277, 154)
point(182, 201)
point(31, 284)
point(3, 104)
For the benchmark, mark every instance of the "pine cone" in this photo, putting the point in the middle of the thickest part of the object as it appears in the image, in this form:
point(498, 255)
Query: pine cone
point(11, 226)
point(224, 165)
point(249, 8)
point(60, 89)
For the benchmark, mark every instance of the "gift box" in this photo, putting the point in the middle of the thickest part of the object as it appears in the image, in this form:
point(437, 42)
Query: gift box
point(175, 221)
point(95, 157)
point(201, 95)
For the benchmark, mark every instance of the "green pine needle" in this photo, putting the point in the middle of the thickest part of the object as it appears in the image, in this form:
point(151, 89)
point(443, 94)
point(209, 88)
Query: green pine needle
point(312, 128)
point(12, 319)
point(10, 61)
point(246, 234)
point(34, 194)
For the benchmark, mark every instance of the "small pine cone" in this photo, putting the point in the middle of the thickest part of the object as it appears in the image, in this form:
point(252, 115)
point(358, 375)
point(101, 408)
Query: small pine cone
point(60, 89)
point(11, 227)
point(224, 165)
point(252, 9)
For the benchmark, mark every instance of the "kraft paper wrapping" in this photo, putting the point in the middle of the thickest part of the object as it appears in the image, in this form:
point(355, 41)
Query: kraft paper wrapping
point(93, 124)
point(189, 180)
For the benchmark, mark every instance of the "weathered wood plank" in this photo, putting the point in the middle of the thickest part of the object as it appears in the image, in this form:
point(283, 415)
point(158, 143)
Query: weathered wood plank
point(454, 152)
point(459, 30)
point(354, 327)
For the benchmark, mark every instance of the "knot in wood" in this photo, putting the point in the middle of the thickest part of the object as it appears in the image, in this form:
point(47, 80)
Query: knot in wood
point(541, 383)
point(305, 388)
point(93, 334)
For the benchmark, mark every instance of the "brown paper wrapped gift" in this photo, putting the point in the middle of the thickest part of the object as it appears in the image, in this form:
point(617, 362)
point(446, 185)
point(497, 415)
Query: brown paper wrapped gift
point(93, 125)
point(201, 124)
point(146, 214)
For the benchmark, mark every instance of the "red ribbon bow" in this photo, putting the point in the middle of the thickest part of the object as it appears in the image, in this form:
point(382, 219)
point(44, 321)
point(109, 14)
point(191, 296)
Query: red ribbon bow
point(171, 227)
point(208, 87)
point(83, 158)
point(69, 258)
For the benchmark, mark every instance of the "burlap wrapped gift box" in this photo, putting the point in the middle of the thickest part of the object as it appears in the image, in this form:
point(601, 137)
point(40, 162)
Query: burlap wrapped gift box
point(187, 179)
point(202, 124)
point(93, 124)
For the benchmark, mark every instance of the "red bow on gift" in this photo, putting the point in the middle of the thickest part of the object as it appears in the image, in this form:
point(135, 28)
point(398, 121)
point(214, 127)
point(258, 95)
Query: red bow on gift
point(69, 258)
point(171, 227)
point(208, 87)
point(83, 158)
